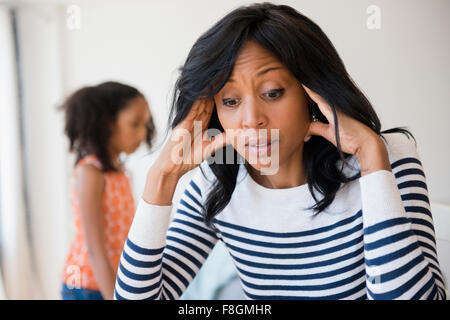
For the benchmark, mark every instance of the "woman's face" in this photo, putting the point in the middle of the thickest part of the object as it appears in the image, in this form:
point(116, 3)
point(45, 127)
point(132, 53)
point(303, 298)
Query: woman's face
point(130, 128)
point(262, 94)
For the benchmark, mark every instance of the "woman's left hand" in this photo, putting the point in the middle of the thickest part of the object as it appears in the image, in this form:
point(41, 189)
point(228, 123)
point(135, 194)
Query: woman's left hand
point(355, 137)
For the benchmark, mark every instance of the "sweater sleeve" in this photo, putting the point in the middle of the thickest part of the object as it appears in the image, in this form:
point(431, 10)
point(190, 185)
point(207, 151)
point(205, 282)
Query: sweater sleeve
point(161, 257)
point(399, 240)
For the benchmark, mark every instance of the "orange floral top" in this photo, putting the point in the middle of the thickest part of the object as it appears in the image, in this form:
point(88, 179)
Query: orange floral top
point(118, 212)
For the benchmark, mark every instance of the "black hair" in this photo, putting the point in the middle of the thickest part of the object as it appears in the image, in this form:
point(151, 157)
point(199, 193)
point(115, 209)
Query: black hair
point(89, 113)
point(306, 51)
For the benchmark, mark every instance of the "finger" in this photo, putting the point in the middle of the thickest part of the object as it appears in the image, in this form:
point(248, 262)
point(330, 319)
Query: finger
point(321, 103)
point(216, 142)
point(196, 109)
point(196, 112)
point(318, 129)
point(204, 118)
point(206, 114)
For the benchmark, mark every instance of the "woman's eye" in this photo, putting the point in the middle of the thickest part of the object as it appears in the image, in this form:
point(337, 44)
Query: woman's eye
point(271, 95)
point(274, 94)
point(230, 102)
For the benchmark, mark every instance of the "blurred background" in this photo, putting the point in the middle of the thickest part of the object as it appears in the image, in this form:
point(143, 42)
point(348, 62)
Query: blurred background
point(396, 51)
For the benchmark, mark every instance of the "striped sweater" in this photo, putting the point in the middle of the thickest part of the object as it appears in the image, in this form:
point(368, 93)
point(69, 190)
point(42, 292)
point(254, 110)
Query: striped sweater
point(375, 241)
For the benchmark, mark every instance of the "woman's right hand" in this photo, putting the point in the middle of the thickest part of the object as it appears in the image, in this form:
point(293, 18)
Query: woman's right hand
point(187, 147)
point(185, 150)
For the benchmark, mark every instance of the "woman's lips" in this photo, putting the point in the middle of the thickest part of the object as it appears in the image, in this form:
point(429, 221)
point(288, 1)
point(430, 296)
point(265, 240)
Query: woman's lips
point(260, 148)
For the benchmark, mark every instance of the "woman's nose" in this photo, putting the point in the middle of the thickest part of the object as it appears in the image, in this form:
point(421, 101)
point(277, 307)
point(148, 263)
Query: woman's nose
point(253, 115)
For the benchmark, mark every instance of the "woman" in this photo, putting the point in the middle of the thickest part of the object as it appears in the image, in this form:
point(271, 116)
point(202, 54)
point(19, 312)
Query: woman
point(345, 215)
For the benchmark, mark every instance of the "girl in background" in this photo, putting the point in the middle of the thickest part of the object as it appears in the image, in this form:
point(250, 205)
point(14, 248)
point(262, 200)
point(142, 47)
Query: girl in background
point(101, 122)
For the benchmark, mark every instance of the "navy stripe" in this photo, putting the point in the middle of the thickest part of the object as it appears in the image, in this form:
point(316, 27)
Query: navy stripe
point(407, 172)
point(141, 250)
point(138, 277)
point(183, 266)
point(200, 219)
point(302, 244)
point(300, 266)
point(139, 263)
point(166, 291)
point(138, 290)
point(363, 297)
point(187, 205)
point(195, 187)
point(390, 239)
point(170, 282)
point(429, 247)
point(309, 254)
point(322, 275)
point(405, 161)
point(193, 236)
point(415, 196)
point(385, 224)
point(441, 293)
point(185, 255)
point(418, 209)
point(349, 220)
point(376, 279)
point(426, 235)
point(392, 256)
point(341, 295)
point(186, 192)
point(390, 295)
point(196, 226)
point(431, 257)
point(411, 184)
point(117, 296)
point(419, 294)
point(434, 294)
point(189, 245)
point(434, 270)
point(319, 287)
point(422, 222)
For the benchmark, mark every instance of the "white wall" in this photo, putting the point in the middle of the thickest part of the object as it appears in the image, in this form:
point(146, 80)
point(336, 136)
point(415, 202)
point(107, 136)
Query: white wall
point(403, 68)
point(45, 151)
point(15, 265)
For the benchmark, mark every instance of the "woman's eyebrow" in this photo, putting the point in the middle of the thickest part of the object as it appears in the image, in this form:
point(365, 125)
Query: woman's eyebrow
point(261, 72)
point(267, 70)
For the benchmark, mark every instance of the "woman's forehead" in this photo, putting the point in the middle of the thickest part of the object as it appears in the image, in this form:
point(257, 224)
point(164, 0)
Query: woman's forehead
point(253, 63)
point(254, 56)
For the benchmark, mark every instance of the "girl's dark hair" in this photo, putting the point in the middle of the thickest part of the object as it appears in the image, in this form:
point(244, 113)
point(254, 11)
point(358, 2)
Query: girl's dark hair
point(306, 51)
point(89, 114)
